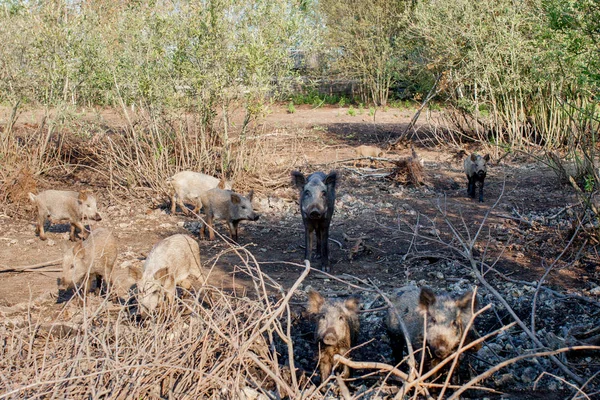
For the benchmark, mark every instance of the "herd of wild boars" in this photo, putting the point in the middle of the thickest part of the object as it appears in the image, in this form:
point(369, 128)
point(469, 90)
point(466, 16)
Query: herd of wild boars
point(176, 261)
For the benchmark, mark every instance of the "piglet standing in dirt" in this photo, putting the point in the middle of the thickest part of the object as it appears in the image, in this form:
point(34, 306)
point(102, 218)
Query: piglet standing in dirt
point(90, 261)
point(229, 206)
point(174, 261)
point(57, 205)
point(190, 186)
point(317, 201)
point(336, 331)
point(367, 151)
point(447, 318)
point(476, 170)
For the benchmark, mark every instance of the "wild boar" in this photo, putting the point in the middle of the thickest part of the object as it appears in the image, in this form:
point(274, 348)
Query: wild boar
point(57, 205)
point(336, 330)
point(229, 206)
point(476, 170)
point(447, 318)
point(174, 261)
point(317, 201)
point(367, 151)
point(190, 186)
point(90, 261)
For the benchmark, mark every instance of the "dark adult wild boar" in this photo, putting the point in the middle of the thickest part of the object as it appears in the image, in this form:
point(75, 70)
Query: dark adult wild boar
point(57, 205)
point(317, 200)
point(227, 205)
point(336, 331)
point(476, 170)
point(447, 318)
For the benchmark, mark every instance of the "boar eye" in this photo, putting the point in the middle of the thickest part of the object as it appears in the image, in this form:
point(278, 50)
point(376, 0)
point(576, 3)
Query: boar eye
point(307, 193)
point(341, 318)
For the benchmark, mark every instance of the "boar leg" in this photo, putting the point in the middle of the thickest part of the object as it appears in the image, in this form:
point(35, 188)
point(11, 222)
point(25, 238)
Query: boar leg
point(82, 231)
point(173, 203)
point(39, 228)
point(308, 240)
point(197, 206)
point(325, 366)
point(481, 191)
point(324, 239)
point(233, 229)
point(183, 207)
point(210, 226)
point(471, 187)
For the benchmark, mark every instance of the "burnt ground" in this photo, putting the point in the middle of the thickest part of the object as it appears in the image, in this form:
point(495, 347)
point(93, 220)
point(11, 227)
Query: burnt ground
point(527, 229)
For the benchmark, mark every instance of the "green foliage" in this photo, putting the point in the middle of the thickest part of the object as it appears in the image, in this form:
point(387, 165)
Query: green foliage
point(351, 111)
point(313, 97)
point(588, 183)
point(371, 111)
point(290, 108)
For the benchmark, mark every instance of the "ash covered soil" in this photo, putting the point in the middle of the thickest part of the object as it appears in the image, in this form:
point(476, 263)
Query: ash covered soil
point(385, 234)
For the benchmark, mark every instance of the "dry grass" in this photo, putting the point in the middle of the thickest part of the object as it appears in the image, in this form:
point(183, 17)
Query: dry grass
point(211, 344)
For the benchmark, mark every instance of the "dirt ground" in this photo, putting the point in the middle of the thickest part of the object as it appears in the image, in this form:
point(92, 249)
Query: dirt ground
point(521, 233)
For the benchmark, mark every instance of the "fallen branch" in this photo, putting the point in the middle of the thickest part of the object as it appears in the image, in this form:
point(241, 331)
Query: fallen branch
point(29, 268)
point(370, 365)
point(496, 368)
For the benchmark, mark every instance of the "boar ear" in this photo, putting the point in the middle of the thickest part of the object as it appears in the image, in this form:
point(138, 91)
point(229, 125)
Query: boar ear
point(352, 304)
point(473, 157)
point(31, 196)
point(250, 195)
point(427, 297)
point(315, 302)
point(464, 302)
point(82, 195)
point(331, 178)
point(135, 272)
point(486, 157)
point(298, 179)
point(235, 199)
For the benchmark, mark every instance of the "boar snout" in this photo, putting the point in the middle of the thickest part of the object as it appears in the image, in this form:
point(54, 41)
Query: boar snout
point(329, 337)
